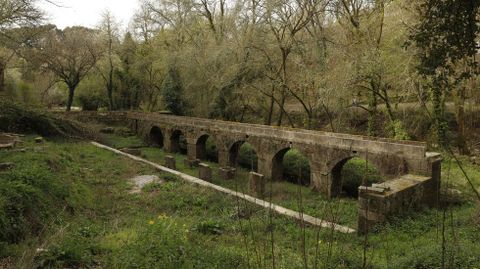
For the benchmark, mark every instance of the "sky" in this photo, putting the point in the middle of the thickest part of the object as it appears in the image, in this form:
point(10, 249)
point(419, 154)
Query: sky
point(87, 12)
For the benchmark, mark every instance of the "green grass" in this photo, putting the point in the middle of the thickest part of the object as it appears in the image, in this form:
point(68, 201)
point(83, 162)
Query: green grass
point(96, 223)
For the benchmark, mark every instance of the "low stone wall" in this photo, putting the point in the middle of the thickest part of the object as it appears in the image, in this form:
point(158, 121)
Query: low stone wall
point(115, 118)
point(379, 203)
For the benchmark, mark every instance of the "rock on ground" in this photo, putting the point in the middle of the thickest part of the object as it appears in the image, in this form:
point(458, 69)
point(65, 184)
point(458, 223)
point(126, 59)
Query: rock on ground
point(141, 181)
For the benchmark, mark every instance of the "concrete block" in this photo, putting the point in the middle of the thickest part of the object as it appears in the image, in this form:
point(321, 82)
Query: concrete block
point(227, 173)
point(191, 163)
point(257, 184)
point(170, 162)
point(205, 172)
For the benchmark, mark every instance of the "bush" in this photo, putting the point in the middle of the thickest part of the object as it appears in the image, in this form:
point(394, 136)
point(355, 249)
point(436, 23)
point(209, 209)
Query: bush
point(14, 118)
point(73, 252)
point(171, 177)
point(32, 194)
point(29, 197)
point(295, 167)
point(209, 227)
point(211, 150)
point(247, 156)
point(353, 174)
point(172, 90)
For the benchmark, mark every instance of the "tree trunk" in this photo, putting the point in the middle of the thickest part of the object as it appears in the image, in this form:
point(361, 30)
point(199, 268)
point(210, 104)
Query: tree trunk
point(270, 110)
point(71, 92)
point(110, 83)
point(460, 115)
point(110, 97)
point(372, 117)
point(2, 78)
point(439, 113)
point(282, 109)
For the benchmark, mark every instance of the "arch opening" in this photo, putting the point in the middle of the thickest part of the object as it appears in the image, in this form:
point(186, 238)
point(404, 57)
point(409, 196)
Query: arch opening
point(207, 148)
point(156, 137)
point(351, 173)
point(292, 166)
point(178, 142)
point(244, 155)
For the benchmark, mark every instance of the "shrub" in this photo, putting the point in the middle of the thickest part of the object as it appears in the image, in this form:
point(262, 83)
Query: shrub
point(211, 150)
point(295, 167)
point(247, 157)
point(29, 197)
point(173, 93)
point(353, 174)
point(209, 227)
point(171, 177)
point(396, 130)
point(73, 252)
point(32, 193)
point(14, 118)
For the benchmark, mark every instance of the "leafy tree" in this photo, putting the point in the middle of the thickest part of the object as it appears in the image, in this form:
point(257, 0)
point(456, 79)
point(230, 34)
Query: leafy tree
point(446, 40)
point(173, 92)
point(70, 54)
point(129, 88)
point(15, 14)
point(109, 39)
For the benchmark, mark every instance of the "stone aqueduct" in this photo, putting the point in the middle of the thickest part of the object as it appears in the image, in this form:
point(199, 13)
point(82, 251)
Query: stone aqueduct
point(326, 152)
point(412, 174)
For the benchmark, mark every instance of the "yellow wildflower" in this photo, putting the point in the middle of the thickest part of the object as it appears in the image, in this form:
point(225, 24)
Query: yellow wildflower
point(151, 222)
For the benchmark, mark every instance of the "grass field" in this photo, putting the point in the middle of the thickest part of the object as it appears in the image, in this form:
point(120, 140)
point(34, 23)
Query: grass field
point(66, 204)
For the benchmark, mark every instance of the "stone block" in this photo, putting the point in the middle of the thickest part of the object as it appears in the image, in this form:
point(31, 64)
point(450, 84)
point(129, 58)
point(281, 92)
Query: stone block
point(205, 172)
point(191, 163)
point(257, 184)
point(227, 173)
point(170, 162)
point(7, 146)
point(6, 166)
point(39, 140)
point(136, 152)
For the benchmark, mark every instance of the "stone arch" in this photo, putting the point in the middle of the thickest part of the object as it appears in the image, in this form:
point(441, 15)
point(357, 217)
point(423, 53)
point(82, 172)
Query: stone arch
point(278, 170)
point(178, 141)
point(233, 153)
point(202, 152)
point(156, 136)
point(337, 168)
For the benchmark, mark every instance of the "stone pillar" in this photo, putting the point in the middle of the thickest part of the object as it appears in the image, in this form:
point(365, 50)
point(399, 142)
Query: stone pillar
point(432, 190)
point(170, 162)
point(223, 158)
point(191, 150)
point(227, 173)
point(257, 184)
point(322, 182)
point(205, 172)
point(264, 165)
point(191, 160)
point(167, 142)
point(371, 211)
